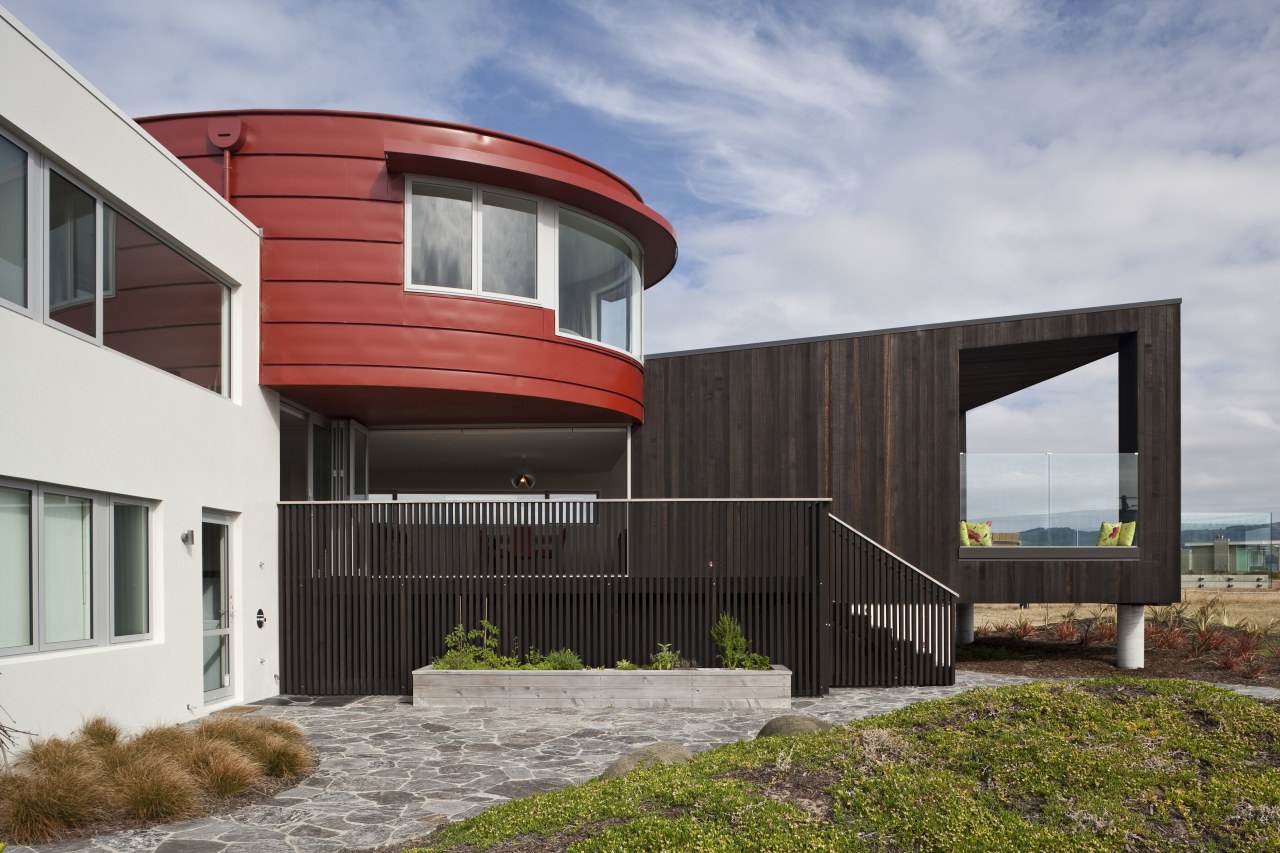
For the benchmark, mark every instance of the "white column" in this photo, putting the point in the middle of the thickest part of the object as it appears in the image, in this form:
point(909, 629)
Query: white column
point(1130, 636)
point(964, 624)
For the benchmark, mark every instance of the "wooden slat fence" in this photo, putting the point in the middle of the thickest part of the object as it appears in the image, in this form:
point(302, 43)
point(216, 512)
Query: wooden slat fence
point(369, 589)
point(891, 623)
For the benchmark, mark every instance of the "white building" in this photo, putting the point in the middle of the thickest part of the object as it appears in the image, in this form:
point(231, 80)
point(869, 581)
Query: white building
point(133, 505)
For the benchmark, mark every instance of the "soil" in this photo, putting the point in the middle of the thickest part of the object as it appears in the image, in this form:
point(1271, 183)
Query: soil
point(1042, 655)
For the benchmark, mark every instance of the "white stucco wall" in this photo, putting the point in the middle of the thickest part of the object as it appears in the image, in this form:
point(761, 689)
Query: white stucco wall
point(81, 416)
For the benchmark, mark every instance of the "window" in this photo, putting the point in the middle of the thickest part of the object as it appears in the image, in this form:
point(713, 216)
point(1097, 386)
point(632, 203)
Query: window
point(15, 568)
point(71, 563)
point(73, 257)
point(490, 242)
point(599, 282)
point(105, 277)
point(130, 571)
point(13, 223)
point(160, 308)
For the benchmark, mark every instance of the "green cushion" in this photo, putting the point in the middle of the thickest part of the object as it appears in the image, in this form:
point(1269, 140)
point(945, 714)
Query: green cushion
point(1109, 533)
point(975, 533)
point(1127, 531)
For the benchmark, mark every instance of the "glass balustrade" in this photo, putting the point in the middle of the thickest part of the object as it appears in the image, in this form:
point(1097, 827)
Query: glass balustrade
point(1048, 499)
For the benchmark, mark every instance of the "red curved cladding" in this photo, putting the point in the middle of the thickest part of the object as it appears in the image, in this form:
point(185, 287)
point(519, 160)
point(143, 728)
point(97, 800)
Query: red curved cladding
point(341, 335)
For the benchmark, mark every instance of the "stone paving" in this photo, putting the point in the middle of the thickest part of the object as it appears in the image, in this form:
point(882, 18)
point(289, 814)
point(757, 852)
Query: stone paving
point(390, 773)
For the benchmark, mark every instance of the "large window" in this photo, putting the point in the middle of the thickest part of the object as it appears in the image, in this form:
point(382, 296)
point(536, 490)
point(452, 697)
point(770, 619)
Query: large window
point(105, 277)
point(465, 238)
point(599, 282)
point(75, 568)
point(161, 308)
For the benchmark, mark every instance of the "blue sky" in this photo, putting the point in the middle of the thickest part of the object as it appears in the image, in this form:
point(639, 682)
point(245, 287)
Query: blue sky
point(834, 167)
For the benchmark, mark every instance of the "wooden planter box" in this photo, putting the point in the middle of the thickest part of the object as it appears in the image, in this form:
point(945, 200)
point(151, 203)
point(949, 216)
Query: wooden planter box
point(602, 688)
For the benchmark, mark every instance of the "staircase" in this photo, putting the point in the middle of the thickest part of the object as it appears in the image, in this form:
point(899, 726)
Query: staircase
point(892, 625)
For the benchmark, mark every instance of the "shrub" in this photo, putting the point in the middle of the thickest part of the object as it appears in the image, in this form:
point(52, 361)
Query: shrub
point(279, 754)
point(664, 658)
point(98, 732)
point(562, 659)
point(1066, 631)
point(732, 645)
point(221, 769)
point(1105, 631)
point(42, 799)
point(625, 665)
point(154, 787)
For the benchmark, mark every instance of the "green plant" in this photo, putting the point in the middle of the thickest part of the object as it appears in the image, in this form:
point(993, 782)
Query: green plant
point(664, 658)
point(732, 645)
point(625, 665)
point(476, 648)
point(561, 659)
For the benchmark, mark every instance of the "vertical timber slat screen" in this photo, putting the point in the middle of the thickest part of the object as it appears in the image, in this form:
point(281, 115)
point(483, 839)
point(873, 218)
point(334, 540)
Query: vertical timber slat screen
point(892, 625)
point(369, 589)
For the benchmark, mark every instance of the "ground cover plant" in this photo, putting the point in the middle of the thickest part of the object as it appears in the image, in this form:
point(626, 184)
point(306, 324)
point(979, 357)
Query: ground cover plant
point(1107, 764)
point(1233, 640)
point(100, 780)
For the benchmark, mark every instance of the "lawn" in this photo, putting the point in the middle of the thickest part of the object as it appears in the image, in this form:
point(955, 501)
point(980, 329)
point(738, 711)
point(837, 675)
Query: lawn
point(1108, 764)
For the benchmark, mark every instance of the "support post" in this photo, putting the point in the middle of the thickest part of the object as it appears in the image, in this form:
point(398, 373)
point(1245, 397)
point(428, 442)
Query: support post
point(1130, 636)
point(964, 624)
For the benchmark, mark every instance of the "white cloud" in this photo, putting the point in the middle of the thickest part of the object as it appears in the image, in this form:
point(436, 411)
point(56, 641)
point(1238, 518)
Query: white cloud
point(157, 56)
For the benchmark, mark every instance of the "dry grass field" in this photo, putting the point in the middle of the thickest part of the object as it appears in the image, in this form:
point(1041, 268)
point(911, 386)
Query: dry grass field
point(1259, 607)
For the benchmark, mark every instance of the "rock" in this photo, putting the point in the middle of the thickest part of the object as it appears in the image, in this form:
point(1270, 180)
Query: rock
point(662, 752)
point(793, 724)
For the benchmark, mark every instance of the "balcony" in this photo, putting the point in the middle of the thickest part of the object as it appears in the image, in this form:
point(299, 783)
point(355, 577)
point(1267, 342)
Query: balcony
point(1054, 503)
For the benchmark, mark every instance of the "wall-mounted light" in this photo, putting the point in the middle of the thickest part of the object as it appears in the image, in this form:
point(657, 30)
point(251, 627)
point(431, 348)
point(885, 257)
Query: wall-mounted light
point(188, 537)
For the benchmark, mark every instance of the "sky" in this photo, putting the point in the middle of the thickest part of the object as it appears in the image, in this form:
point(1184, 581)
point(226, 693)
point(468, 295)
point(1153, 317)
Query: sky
point(835, 167)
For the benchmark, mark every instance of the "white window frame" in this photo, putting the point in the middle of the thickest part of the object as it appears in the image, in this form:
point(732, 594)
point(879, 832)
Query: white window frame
point(102, 603)
point(477, 240)
point(547, 266)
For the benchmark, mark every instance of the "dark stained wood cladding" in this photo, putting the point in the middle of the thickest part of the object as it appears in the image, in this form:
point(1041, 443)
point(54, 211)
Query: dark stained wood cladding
point(369, 590)
point(875, 421)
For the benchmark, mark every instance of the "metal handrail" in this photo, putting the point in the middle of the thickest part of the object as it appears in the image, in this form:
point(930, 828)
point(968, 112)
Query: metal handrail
point(873, 542)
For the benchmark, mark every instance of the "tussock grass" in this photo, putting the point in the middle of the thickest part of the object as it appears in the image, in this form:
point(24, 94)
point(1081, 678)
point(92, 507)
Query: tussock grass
point(60, 787)
point(1111, 764)
point(221, 769)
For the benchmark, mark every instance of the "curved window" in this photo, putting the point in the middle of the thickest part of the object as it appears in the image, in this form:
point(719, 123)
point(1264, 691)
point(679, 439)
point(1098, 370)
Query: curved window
point(492, 242)
point(599, 282)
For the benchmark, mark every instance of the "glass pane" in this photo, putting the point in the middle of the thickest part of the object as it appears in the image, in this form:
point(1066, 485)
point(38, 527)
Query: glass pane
point(599, 282)
point(360, 477)
point(73, 256)
point(213, 562)
point(293, 456)
point(161, 308)
point(217, 663)
point(510, 245)
point(13, 224)
point(321, 464)
point(15, 568)
point(68, 568)
point(129, 575)
point(441, 236)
